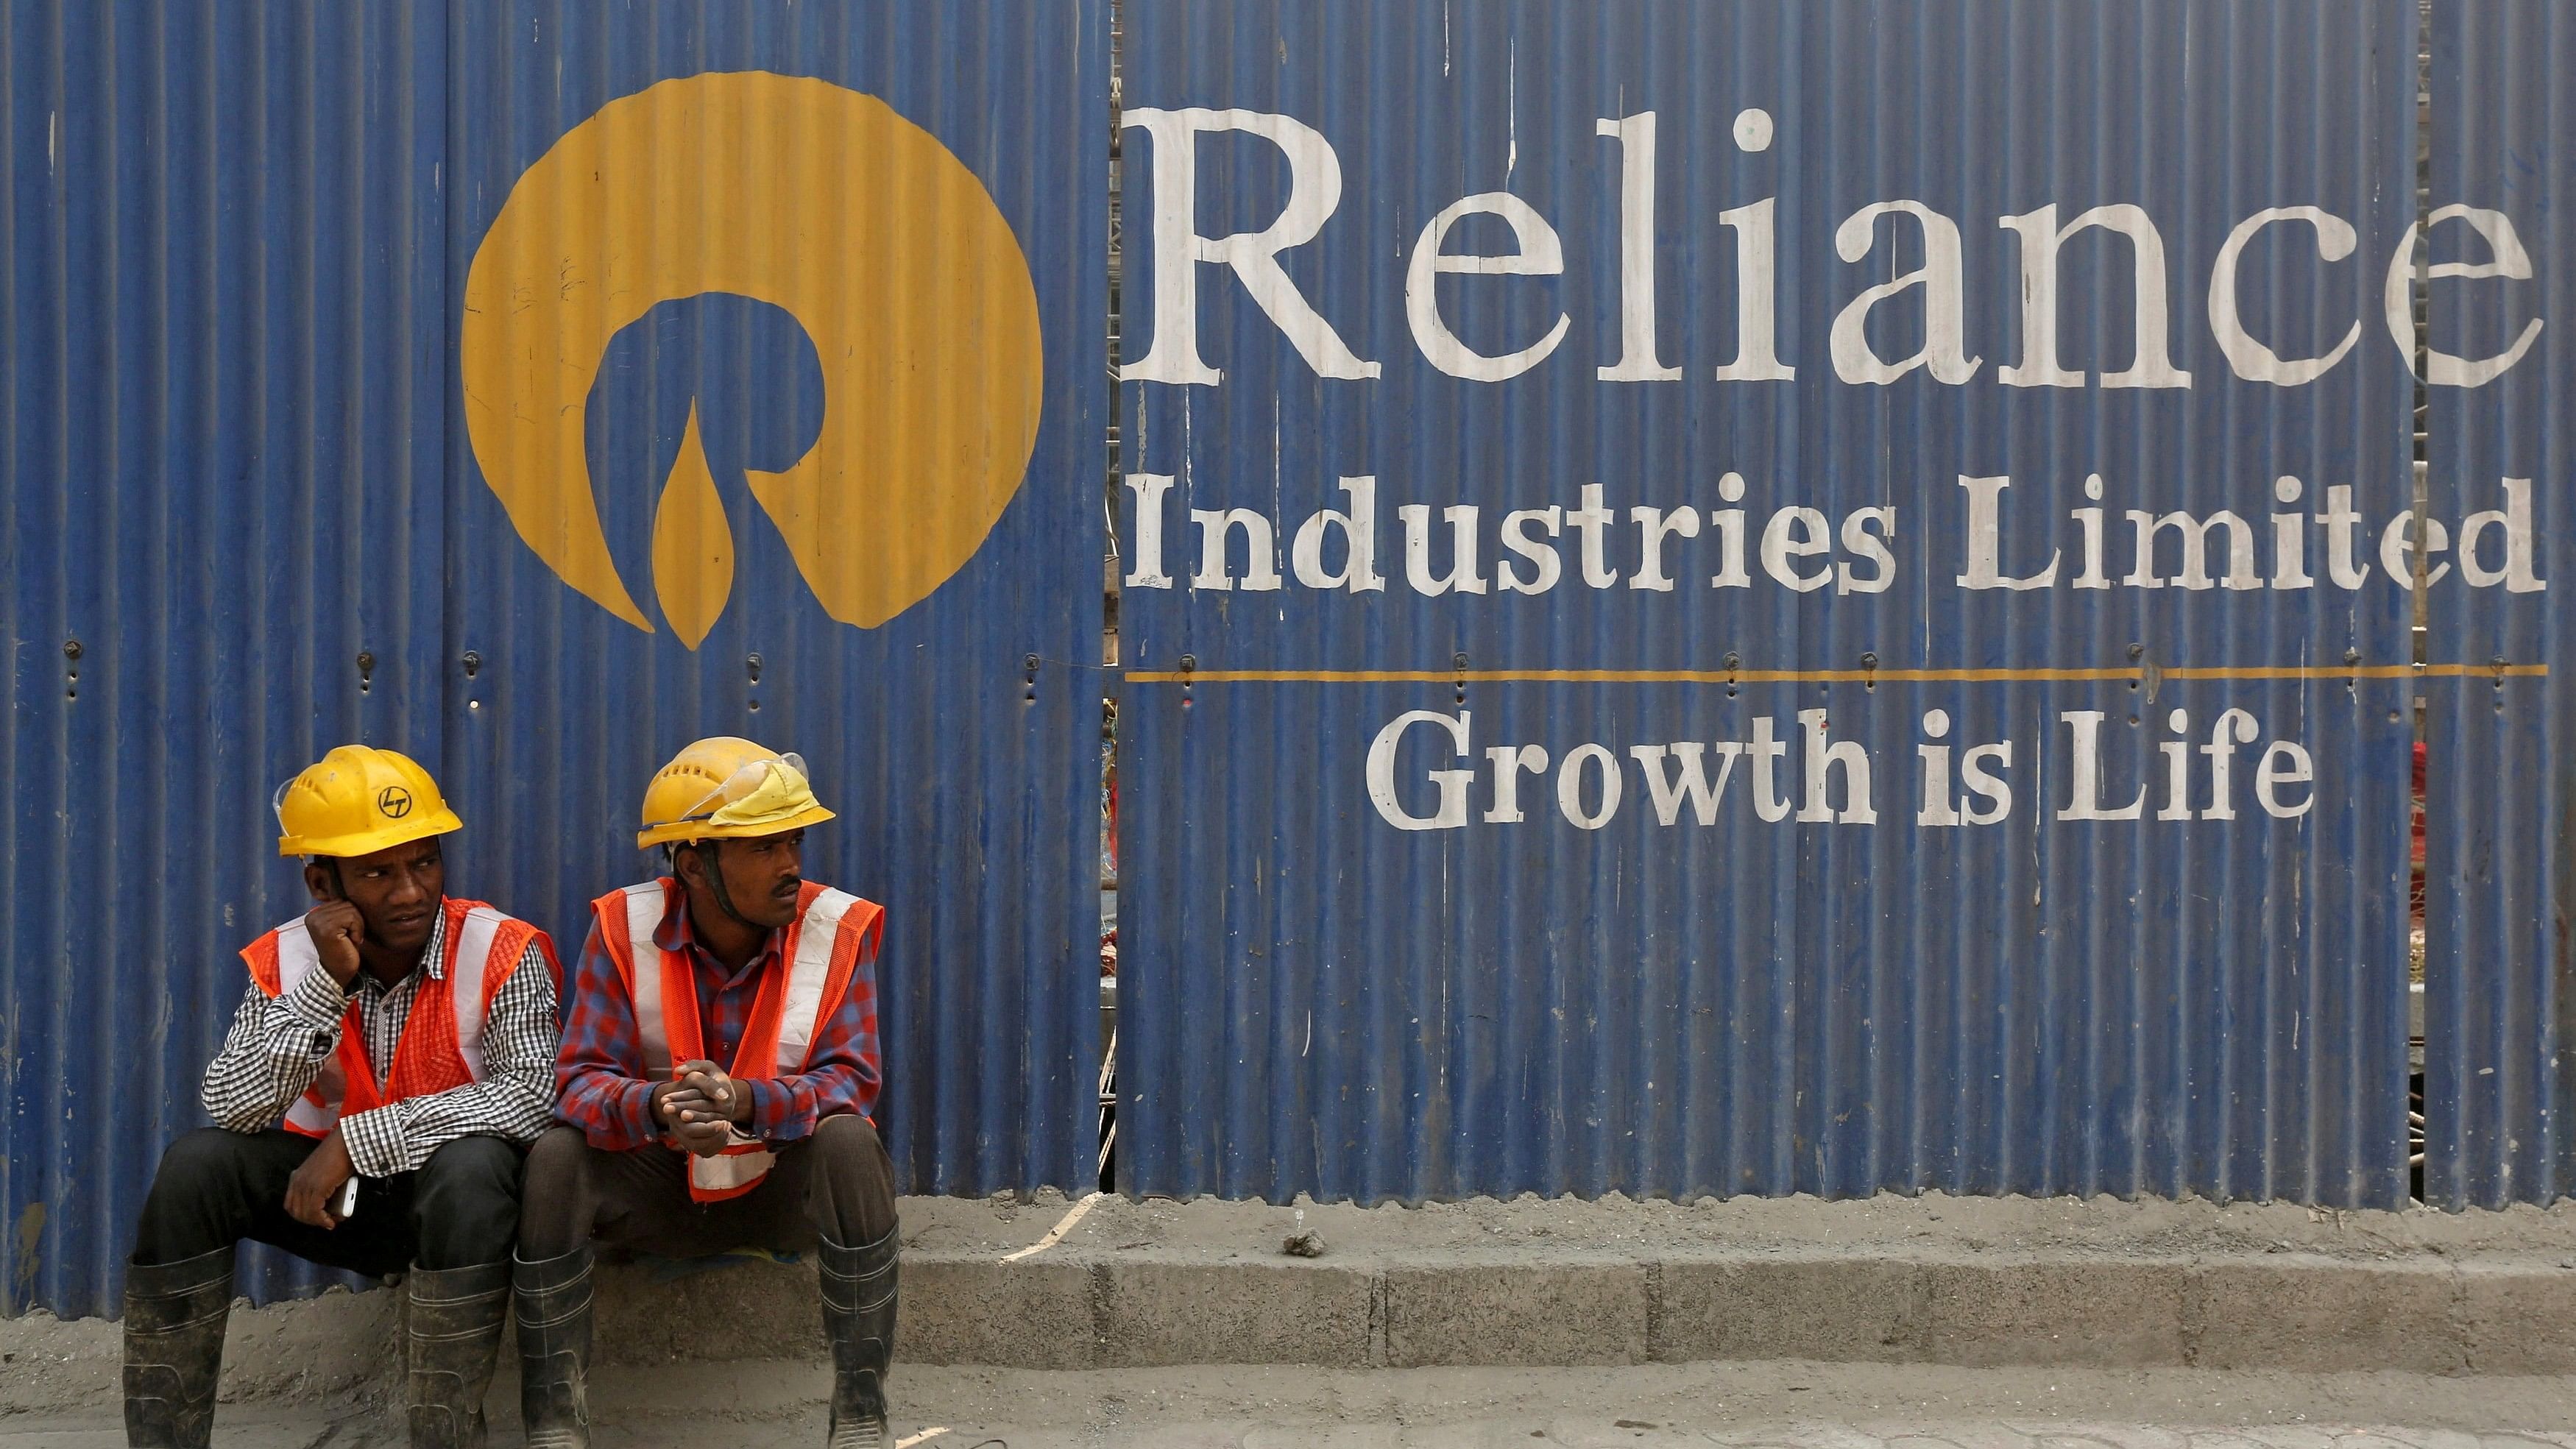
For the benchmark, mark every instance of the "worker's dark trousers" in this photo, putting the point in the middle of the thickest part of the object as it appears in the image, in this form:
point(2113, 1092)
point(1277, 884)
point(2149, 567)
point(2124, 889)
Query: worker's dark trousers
point(217, 1187)
point(837, 1182)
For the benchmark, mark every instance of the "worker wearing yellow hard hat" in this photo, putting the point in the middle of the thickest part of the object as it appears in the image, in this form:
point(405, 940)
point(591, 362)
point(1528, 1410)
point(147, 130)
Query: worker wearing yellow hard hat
point(726, 788)
point(719, 1063)
point(392, 1056)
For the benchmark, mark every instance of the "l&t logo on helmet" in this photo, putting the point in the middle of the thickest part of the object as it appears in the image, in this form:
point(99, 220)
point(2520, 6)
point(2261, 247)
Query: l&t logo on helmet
point(822, 202)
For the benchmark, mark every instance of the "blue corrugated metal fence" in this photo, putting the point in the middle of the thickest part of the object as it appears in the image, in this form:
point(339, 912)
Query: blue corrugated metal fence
point(2499, 283)
point(1519, 433)
point(251, 511)
point(1719, 597)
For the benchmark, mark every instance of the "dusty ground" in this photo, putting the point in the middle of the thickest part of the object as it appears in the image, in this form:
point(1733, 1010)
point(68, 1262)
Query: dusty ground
point(1749, 1406)
point(1627, 1228)
point(315, 1374)
point(1619, 1227)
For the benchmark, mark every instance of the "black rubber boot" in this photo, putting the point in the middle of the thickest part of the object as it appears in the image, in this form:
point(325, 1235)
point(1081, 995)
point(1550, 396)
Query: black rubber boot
point(553, 1301)
point(174, 1349)
point(858, 1316)
point(453, 1329)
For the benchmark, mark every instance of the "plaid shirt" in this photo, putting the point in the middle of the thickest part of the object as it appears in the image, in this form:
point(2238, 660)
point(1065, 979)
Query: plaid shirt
point(277, 1047)
point(600, 1085)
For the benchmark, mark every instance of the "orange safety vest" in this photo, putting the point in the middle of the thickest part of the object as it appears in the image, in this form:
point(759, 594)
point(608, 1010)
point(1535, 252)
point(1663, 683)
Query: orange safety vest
point(442, 1038)
point(833, 933)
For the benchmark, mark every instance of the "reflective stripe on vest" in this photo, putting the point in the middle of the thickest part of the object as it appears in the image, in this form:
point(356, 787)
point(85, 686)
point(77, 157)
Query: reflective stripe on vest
point(644, 907)
point(314, 1113)
point(483, 947)
point(802, 1017)
point(469, 960)
point(805, 1003)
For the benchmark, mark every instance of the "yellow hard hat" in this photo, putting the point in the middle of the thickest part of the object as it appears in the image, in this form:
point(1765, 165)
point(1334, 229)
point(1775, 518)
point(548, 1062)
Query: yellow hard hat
point(728, 788)
point(359, 799)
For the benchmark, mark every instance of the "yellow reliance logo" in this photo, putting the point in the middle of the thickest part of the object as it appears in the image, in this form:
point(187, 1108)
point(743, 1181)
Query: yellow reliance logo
point(820, 201)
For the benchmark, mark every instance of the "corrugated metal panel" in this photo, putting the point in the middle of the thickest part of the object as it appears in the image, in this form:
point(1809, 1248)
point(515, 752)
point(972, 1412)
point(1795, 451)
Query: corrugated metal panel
point(1318, 1001)
point(250, 327)
point(2500, 1007)
point(226, 459)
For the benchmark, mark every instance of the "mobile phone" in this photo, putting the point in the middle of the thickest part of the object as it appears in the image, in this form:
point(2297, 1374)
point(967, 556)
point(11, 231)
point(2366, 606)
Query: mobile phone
point(346, 1202)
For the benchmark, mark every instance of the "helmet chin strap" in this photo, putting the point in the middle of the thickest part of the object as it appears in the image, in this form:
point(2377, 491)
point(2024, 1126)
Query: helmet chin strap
point(706, 850)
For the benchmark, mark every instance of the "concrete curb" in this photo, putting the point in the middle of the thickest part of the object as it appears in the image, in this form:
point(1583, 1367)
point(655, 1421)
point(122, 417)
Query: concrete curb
point(1155, 1283)
point(2315, 1315)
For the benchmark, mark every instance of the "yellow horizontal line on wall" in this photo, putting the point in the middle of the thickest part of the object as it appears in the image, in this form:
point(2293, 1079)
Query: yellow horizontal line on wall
point(1825, 676)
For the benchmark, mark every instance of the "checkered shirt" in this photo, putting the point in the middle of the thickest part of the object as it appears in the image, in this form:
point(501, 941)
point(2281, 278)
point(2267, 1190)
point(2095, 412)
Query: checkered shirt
point(277, 1046)
point(601, 1087)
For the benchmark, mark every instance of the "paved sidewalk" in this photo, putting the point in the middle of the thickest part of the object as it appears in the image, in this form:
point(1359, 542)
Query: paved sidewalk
point(1108, 1284)
point(1771, 1405)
